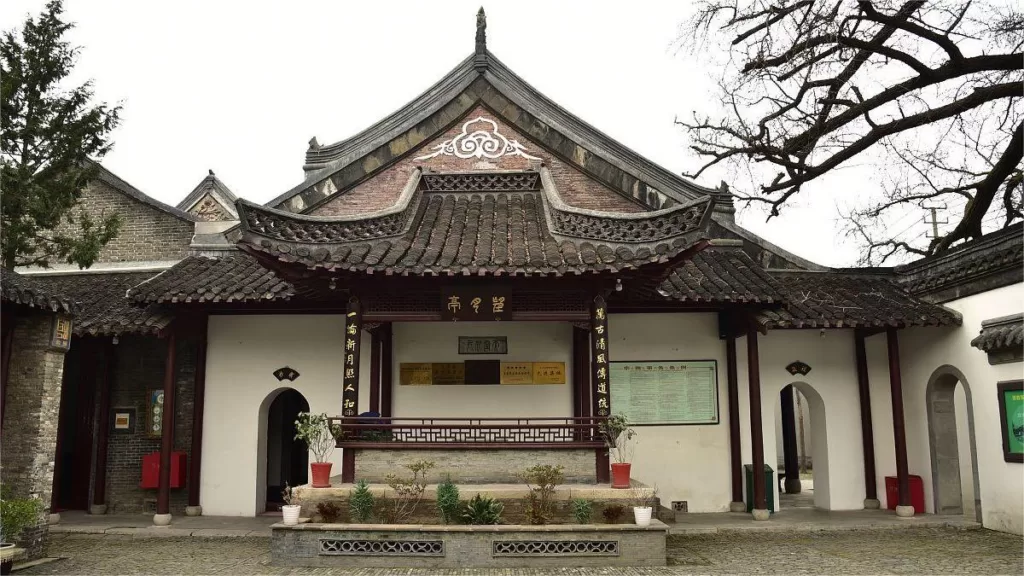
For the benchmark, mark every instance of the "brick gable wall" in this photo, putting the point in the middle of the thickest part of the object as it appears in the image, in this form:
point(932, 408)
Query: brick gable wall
point(382, 191)
point(146, 232)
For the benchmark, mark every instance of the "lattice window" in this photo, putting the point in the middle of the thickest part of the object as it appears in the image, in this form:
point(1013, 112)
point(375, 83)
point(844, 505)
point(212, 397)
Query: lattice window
point(555, 548)
point(482, 182)
point(346, 547)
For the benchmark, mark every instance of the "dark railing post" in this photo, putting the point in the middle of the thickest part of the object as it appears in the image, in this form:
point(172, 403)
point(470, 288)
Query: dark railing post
point(867, 433)
point(760, 510)
point(99, 488)
point(198, 406)
point(899, 433)
point(735, 456)
point(163, 495)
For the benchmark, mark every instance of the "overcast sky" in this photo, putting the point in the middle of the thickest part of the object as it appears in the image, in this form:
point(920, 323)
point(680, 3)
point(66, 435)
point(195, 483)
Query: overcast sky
point(241, 87)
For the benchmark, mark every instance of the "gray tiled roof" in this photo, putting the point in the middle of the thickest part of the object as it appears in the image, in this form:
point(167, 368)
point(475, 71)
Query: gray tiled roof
point(235, 278)
point(1000, 333)
point(105, 309)
point(19, 289)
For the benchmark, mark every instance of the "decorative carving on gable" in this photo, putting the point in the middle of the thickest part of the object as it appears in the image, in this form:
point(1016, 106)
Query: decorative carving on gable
point(484, 141)
point(527, 181)
point(209, 210)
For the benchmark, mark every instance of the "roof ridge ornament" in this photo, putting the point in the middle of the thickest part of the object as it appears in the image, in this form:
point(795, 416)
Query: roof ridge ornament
point(480, 55)
point(486, 142)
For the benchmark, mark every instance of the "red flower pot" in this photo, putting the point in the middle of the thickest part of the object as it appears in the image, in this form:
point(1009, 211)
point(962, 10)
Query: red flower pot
point(620, 475)
point(321, 474)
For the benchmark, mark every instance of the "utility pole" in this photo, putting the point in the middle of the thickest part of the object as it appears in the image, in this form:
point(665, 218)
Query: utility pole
point(934, 222)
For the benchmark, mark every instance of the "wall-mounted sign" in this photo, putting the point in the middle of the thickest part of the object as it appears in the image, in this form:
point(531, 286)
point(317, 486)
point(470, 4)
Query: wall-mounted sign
point(679, 392)
point(155, 413)
point(122, 420)
point(483, 345)
point(447, 373)
point(60, 334)
point(415, 374)
point(517, 373)
point(599, 352)
point(1011, 416)
point(798, 367)
point(471, 305)
point(549, 372)
point(353, 337)
point(286, 373)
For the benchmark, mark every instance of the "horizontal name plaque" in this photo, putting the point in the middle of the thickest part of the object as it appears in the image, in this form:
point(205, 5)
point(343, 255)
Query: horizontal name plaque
point(483, 345)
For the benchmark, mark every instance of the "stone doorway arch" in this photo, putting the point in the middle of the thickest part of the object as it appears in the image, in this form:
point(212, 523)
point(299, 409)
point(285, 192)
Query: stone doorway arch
point(280, 458)
point(944, 444)
point(818, 431)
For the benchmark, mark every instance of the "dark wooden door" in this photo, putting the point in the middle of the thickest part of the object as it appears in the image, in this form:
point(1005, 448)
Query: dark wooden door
point(78, 408)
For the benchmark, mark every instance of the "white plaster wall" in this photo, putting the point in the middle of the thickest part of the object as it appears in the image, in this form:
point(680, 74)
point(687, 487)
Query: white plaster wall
point(837, 450)
point(243, 351)
point(922, 352)
point(439, 342)
point(686, 462)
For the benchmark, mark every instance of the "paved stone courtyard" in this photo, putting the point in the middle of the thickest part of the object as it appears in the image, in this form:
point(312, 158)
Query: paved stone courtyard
point(908, 551)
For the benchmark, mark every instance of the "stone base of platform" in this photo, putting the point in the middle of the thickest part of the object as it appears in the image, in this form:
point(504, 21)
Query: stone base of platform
point(432, 546)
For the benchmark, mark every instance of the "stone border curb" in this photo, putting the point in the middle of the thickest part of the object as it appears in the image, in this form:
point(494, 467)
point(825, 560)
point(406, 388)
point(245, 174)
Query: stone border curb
point(769, 526)
point(161, 532)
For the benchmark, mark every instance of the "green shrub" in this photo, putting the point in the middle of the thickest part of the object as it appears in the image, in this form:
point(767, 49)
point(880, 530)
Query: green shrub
point(329, 512)
point(408, 492)
point(16, 514)
point(361, 502)
point(542, 480)
point(480, 510)
point(582, 510)
point(613, 513)
point(448, 501)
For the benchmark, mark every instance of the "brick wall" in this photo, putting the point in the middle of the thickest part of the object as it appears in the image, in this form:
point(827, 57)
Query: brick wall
point(31, 418)
point(140, 369)
point(382, 190)
point(146, 232)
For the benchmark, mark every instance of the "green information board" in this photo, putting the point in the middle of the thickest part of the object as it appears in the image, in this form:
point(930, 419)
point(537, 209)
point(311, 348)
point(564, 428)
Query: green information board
point(1011, 400)
point(677, 392)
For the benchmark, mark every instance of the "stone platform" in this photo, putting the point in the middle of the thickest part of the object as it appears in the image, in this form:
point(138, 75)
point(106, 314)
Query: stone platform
point(502, 546)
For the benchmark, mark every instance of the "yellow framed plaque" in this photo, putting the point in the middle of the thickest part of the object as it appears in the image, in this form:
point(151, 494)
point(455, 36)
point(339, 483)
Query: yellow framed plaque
point(447, 373)
point(517, 372)
point(549, 372)
point(415, 374)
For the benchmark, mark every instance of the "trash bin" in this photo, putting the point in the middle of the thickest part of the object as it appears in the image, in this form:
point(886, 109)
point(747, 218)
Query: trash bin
point(892, 492)
point(769, 484)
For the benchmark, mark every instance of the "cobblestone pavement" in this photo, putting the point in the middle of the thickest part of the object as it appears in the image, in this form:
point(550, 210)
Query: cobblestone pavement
point(910, 551)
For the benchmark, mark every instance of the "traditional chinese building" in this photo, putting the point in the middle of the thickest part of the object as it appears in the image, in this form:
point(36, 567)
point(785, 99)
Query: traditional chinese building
point(480, 279)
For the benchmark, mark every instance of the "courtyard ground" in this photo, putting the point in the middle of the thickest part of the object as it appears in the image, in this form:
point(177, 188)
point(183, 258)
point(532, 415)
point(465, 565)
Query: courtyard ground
point(878, 551)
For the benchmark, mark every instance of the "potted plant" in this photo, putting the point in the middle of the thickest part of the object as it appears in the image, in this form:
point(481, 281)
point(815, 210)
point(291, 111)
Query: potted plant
point(644, 498)
point(618, 437)
point(320, 439)
point(289, 511)
point(16, 514)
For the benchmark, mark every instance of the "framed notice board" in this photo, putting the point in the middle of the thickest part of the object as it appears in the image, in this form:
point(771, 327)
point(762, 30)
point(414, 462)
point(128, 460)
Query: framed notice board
point(674, 392)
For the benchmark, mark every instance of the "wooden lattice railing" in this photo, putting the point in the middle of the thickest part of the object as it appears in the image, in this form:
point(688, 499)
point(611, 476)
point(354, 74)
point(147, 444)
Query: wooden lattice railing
point(442, 433)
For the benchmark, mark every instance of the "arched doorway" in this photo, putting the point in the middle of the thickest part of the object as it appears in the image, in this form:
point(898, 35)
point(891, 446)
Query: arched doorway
point(282, 459)
point(803, 443)
point(954, 456)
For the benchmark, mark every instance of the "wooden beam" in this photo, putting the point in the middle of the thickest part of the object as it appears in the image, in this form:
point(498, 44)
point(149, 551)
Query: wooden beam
point(163, 495)
point(735, 457)
point(106, 384)
point(198, 407)
point(756, 431)
point(866, 431)
point(899, 432)
point(386, 370)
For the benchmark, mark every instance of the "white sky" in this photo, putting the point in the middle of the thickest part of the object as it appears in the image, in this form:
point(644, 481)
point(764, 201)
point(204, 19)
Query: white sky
point(240, 87)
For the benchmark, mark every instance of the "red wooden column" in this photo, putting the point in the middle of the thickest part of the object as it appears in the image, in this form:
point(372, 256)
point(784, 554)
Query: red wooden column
point(899, 432)
point(866, 431)
point(756, 433)
point(163, 494)
point(735, 457)
point(386, 369)
point(600, 392)
point(109, 377)
point(375, 369)
point(350, 380)
point(198, 405)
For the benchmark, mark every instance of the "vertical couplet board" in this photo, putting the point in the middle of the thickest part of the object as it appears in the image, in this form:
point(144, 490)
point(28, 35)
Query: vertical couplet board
point(599, 341)
point(353, 331)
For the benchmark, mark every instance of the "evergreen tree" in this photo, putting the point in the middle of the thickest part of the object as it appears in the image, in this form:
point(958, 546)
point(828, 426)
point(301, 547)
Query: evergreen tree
point(51, 135)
